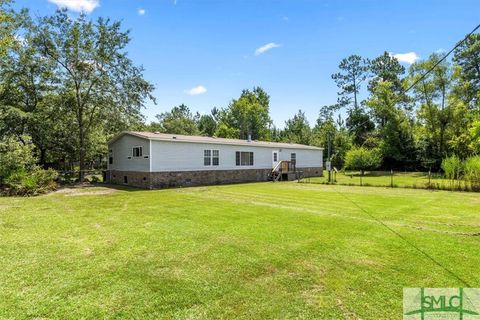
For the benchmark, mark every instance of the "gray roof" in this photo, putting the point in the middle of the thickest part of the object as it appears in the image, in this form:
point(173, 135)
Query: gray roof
point(200, 139)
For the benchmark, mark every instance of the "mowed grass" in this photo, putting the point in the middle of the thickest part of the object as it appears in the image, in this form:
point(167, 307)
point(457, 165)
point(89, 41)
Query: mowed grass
point(251, 251)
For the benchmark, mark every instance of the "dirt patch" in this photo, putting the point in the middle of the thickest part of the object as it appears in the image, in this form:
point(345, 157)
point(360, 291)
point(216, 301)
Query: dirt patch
point(84, 191)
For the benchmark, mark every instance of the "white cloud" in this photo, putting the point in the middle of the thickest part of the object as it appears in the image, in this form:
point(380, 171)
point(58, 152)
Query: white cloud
point(141, 12)
point(77, 5)
point(195, 91)
point(265, 48)
point(408, 57)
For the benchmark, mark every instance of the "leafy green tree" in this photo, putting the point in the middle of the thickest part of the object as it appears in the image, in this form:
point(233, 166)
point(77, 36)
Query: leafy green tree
point(326, 128)
point(434, 110)
point(359, 125)
point(92, 76)
point(207, 125)
point(467, 56)
point(179, 120)
point(246, 115)
point(397, 143)
point(8, 25)
point(386, 68)
point(297, 129)
point(353, 71)
point(362, 159)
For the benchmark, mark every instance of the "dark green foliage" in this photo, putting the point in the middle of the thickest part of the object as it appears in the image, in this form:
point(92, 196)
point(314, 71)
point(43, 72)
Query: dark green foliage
point(363, 159)
point(179, 120)
point(297, 129)
point(247, 115)
point(19, 174)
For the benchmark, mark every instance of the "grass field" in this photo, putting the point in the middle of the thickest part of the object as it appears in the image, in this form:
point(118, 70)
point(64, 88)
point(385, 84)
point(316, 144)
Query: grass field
point(418, 180)
point(251, 251)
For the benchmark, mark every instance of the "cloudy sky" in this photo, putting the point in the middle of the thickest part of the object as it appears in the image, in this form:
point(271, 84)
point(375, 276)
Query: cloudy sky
point(204, 52)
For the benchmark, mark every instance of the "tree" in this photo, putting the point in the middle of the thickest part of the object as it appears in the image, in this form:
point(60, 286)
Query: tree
point(297, 129)
point(179, 120)
point(247, 115)
point(397, 143)
point(386, 68)
point(434, 110)
point(8, 25)
point(327, 131)
point(362, 159)
point(467, 56)
point(94, 80)
point(359, 125)
point(207, 125)
point(353, 71)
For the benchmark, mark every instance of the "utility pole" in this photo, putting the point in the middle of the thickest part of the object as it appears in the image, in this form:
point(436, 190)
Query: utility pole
point(329, 163)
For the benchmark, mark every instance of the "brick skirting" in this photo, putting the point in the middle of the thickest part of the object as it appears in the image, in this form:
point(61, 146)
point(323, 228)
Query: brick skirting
point(157, 180)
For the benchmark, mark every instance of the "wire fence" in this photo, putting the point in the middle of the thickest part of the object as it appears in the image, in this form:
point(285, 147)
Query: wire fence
point(393, 179)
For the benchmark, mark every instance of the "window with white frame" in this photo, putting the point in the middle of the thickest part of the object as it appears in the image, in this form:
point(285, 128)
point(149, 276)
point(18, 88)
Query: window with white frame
point(207, 157)
point(137, 152)
point(215, 157)
point(244, 158)
point(211, 157)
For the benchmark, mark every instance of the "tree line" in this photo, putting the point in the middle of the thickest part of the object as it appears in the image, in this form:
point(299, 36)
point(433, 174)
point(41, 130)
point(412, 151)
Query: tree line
point(67, 85)
point(416, 129)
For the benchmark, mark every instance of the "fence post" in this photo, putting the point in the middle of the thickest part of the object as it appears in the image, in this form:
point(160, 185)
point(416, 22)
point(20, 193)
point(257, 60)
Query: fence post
point(391, 178)
point(429, 178)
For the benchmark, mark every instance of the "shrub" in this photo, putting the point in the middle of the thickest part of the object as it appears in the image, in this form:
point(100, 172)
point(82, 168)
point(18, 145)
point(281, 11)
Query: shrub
point(36, 181)
point(362, 159)
point(452, 166)
point(19, 175)
point(15, 155)
point(472, 172)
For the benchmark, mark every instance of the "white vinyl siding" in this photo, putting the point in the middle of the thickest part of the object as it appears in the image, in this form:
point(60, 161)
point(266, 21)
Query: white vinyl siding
point(177, 156)
point(165, 156)
point(121, 152)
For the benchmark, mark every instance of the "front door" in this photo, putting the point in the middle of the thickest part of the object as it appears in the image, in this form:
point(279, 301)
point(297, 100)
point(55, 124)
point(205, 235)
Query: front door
point(275, 158)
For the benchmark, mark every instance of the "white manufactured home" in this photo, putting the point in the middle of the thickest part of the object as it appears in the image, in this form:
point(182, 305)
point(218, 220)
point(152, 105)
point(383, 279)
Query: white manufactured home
point(158, 160)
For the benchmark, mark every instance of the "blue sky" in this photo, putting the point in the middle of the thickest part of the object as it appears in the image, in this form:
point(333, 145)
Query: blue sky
point(204, 52)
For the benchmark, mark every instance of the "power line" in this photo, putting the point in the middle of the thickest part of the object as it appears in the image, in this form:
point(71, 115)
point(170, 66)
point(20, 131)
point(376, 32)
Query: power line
point(424, 253)
point(442, 59)
point(406, 240)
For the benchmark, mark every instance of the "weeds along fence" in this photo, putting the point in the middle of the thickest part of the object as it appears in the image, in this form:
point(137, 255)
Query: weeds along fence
point(400, 179)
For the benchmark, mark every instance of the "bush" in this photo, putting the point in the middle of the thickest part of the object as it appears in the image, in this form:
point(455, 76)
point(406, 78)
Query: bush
point(19, 174)
point(35, 182)
point(363, 159)
point(15, 155)
point(472, 172)
point(452, 166)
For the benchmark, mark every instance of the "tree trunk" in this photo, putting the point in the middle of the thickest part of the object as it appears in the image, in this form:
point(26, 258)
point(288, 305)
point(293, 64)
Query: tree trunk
point(81, 176)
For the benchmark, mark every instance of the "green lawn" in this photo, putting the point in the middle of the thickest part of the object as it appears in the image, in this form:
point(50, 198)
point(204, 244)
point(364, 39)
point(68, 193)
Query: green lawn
point(251, 251)
point(418, 180)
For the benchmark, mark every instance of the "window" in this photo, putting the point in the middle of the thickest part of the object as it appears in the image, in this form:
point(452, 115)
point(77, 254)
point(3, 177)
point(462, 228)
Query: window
point(137, 152)
point(211, 157)
point(207, 157)
point(110, 160)
point(275, 157)
point(216, 157)
point(244, 158)
point(293, 158)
